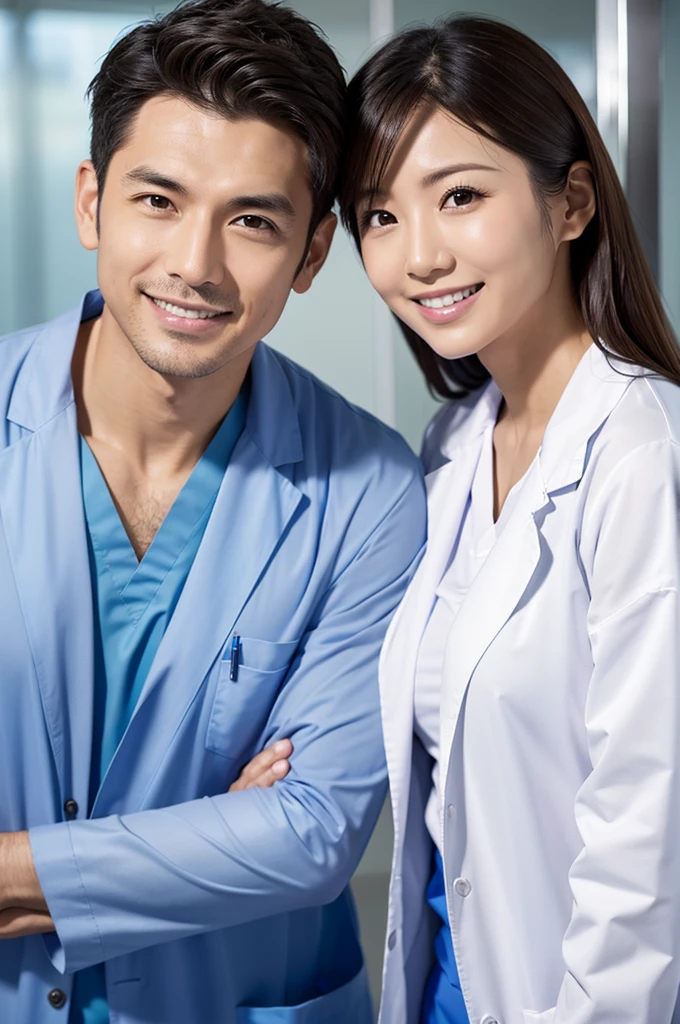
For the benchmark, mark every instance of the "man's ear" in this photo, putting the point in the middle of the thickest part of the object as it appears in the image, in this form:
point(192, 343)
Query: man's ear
point(87, 205)
point(316, 254)
point(578, 203)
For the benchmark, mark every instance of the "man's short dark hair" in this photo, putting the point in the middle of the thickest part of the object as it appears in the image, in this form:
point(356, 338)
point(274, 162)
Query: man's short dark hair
point(238, 58)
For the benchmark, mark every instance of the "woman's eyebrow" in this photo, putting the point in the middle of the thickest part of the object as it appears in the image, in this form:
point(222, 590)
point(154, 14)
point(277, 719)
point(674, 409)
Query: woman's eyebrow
point(433, 178)
point(444, 172)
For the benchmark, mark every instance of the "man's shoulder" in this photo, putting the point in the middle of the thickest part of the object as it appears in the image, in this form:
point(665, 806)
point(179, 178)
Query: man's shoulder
point(331, 425)
point(14, 349)
point(16, 345)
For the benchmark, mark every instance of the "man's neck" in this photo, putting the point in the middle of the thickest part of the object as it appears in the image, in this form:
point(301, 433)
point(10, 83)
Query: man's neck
point(162, 425)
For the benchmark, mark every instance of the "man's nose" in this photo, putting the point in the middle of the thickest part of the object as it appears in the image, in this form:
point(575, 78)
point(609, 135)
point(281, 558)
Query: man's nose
point(196, 252)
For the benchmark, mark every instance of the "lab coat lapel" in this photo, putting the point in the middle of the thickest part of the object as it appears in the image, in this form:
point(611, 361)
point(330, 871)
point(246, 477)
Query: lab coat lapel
point(590, 396)
point(490, 602)
point(254, 507)
point(42, 515)
point(448, 490)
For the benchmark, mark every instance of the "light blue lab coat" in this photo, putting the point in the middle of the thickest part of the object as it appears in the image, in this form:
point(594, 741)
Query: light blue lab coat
point(207, 907)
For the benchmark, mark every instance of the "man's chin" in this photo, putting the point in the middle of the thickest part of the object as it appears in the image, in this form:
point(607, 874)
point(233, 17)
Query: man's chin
point(187, 365)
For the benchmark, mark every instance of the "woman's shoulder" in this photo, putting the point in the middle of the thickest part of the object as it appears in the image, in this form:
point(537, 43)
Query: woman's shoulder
point(648, 414)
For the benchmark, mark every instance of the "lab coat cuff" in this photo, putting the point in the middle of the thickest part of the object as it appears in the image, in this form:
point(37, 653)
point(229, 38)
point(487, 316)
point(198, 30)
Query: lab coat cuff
point(77, 943)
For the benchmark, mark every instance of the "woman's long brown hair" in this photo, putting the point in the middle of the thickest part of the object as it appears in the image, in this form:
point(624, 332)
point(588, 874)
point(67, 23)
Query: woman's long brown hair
point(503, 85)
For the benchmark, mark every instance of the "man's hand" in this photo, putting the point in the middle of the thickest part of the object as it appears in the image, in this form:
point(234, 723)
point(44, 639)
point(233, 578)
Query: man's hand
point(23, 910)
point(16, 923)
point(266, 768)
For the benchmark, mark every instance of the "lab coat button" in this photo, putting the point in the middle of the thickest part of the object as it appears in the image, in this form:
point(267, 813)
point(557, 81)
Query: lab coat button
point(57, 999)
point(450, 810)
point(463, 888)
point(392, 941)
point(70, 810)
point(488, 1020)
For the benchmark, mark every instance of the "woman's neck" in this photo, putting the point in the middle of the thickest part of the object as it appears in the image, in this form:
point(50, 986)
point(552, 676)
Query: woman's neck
point(533, 363)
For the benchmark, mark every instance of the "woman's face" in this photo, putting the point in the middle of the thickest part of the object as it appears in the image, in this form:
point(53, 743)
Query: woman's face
point(457, 244)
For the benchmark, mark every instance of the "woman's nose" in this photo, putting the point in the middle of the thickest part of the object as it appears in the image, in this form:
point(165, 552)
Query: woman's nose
point(428, 255)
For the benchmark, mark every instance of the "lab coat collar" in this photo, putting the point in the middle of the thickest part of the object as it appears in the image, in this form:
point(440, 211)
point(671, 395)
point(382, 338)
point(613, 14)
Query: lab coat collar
point(594, 389)
point(469, 423)
point(44, 387)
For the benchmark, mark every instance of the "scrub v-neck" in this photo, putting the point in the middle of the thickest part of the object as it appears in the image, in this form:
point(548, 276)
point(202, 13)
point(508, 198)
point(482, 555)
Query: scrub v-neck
point(135, 600)
point(133, 603)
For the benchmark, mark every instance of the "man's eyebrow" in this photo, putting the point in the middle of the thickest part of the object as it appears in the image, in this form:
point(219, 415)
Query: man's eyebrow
point(154, 179)
point(428, 181)
point(268, 202)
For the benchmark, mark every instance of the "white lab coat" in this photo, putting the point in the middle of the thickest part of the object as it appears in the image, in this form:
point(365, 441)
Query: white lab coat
point(560, 722)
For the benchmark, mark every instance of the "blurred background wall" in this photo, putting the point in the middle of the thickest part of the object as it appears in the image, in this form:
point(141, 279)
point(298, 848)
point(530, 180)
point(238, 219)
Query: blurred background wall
point(623, 55)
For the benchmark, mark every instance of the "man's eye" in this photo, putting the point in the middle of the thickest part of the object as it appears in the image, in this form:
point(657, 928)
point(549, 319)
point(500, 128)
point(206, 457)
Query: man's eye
point(158, 202)
point(255, 223)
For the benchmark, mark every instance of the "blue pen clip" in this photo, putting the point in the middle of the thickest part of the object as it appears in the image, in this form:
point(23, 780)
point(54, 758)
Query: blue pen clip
point(233, 660)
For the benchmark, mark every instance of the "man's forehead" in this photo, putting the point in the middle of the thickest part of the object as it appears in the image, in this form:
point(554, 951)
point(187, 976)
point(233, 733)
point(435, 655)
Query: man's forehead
point(189, 144)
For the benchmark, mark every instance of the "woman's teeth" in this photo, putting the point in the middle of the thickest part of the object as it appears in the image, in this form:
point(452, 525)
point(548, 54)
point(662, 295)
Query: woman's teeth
point(188, 314)
point(448, 300)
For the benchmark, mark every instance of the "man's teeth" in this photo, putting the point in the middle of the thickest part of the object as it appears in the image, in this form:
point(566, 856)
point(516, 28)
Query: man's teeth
point(448, 300)
point(189, 314)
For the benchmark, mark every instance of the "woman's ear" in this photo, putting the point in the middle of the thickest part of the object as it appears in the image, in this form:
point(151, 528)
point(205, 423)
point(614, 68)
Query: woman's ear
point(578, 204)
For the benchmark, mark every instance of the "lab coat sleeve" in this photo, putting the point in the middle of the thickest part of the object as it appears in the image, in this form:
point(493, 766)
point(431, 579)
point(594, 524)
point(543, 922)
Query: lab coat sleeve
point(119, 884)
point(622, 944)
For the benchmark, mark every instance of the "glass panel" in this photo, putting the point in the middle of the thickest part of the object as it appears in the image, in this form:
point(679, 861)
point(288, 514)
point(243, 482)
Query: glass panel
point(64, 50)
point(8, 161)
point(670, 162)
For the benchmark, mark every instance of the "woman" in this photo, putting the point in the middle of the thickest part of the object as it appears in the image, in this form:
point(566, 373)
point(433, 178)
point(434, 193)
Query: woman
point(530, 679)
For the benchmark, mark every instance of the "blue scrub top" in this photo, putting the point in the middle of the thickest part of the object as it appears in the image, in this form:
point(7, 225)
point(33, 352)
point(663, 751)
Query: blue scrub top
point(443, 1002)
point(134, 602)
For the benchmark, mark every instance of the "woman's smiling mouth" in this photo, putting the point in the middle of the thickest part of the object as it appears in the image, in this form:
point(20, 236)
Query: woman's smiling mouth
point(443, 307)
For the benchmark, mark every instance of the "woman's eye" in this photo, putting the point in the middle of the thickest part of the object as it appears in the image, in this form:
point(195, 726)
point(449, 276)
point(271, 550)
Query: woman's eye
point(380, 219)
point(460, 197)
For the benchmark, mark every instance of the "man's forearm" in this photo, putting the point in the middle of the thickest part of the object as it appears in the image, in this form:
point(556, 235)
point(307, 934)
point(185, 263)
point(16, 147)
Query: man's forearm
point(19, 885)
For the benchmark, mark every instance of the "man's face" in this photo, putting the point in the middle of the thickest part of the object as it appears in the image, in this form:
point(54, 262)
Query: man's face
point(203, 223)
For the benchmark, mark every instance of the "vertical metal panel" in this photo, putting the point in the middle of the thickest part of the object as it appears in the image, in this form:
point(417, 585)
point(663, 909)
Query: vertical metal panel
point(385, 373)
point(644, 116)
point(612, 80)
point(628, 106)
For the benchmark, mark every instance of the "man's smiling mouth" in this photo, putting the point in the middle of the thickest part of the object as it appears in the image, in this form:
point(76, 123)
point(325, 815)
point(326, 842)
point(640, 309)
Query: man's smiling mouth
point(188, 314)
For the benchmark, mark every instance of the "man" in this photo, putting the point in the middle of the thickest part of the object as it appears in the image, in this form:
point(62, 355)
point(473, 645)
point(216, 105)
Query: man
point(200, 550)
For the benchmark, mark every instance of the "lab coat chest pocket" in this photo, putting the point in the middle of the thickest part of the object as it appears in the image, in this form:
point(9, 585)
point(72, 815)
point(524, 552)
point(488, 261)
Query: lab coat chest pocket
point(244, 698)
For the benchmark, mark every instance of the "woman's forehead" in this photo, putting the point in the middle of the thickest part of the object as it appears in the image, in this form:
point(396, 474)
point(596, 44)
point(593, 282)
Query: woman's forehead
point(433, 141)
